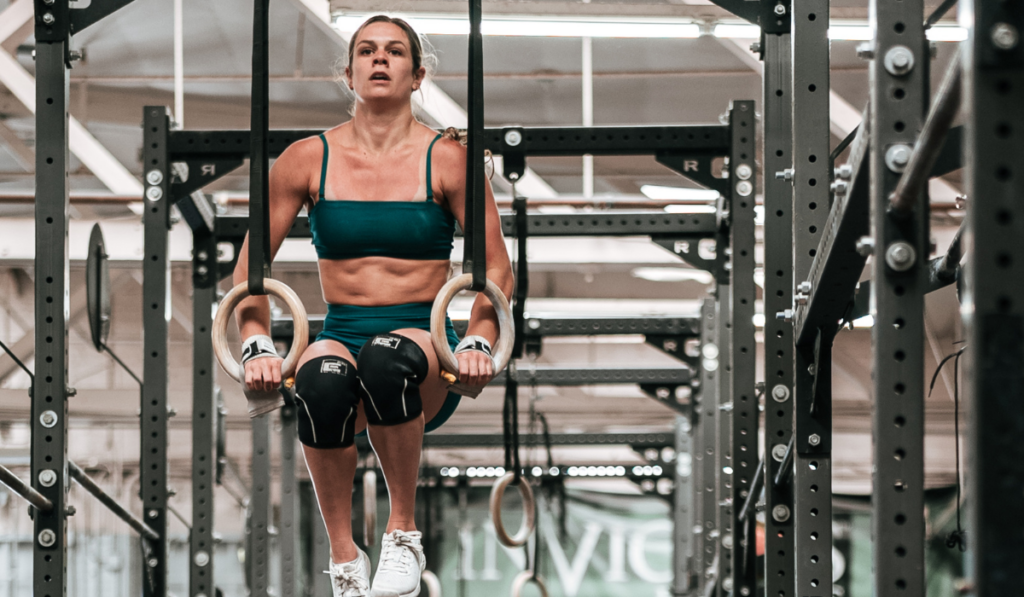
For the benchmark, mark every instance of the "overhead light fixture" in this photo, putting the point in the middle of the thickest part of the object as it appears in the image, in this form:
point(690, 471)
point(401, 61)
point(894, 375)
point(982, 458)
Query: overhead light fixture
point(678, 193)
point(672, 274)
point(736, 31)
point(541, 27)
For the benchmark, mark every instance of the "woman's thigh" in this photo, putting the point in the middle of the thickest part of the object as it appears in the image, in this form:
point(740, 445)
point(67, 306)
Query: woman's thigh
point(434, 389)
point(333, 348)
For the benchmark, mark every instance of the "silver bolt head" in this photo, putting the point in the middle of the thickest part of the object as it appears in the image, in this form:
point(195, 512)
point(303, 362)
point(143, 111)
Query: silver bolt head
point(154, 193)
point(814, 439)
point(202, 256)
point(47, 477)
point(900, 256)
point(48, 419)
point(744, 591)
point(780, 513)
point(780, 393)
point(839, 188)
point(1005, 36)
point(801, 299)
point(152, 562)
point(897, 157)
point(786, 315)
point(202, 270)
point(152, 514)
point(744, 188)
point(804, 287)
point(70, 510)
point(866, 51)
point(845, 172)
point(744, 172)
point(727, 582)
point(865, 246)
point(154, 176)
point(513, 138)
point(48, 2)
point(727, 541)
point(49, 19)
point(780, 9)
point(201, 558)
point(47, 538)
point(812, 370)
point(755, 47)
point(778, 452)
point(899, 61)
point(534, 324)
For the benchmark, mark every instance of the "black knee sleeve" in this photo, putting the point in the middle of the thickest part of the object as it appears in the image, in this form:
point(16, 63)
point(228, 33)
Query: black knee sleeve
point(391, 369)
point(325, 402)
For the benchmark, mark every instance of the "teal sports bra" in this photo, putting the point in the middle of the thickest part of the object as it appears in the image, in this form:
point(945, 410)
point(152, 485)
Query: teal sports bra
point(420, 230)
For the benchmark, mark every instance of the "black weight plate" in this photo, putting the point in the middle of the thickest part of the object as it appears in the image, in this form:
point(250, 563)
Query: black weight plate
point(97, 288)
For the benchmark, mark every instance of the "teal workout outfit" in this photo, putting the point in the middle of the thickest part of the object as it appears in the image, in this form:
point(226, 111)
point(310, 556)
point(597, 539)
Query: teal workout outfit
point(399, 229)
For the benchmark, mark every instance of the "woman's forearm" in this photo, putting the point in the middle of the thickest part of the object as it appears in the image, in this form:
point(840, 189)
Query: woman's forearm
point(483, 319)
point(253, 313)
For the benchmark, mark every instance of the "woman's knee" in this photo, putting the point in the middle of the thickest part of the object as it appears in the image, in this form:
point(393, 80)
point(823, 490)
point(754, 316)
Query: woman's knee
point(391, 368)
point(326, 396)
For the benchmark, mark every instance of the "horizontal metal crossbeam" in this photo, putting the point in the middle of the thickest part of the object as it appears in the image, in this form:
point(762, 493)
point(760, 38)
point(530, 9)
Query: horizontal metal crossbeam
point(622, 223)
point(552, 376)
point(482, 440)
point(282, 328)
point(536, 141)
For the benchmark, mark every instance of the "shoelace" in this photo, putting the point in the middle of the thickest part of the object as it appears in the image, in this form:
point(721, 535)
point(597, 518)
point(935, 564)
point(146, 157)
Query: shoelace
point(346, 579)
point(394, 556)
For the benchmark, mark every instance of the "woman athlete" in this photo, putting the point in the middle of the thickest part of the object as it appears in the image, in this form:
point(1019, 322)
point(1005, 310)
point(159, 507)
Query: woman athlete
point(383, 192)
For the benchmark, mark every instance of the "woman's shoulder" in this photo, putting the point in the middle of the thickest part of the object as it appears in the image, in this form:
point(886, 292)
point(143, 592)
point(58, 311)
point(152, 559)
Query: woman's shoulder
point(309, 148)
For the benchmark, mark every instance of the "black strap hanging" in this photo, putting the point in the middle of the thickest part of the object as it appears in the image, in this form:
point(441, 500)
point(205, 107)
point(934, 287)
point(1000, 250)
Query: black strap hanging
point(259, 164)
point(522, 274)
point(510, 423)
point(474, 259)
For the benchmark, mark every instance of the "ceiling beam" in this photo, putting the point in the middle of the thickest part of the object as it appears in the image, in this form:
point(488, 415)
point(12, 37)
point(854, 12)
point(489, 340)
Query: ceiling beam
point(86, 148)
point(21, 153)
point(432, 100)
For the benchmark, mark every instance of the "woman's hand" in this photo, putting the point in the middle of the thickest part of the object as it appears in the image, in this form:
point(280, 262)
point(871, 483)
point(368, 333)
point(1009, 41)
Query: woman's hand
point(263, 374)
point(476, 368)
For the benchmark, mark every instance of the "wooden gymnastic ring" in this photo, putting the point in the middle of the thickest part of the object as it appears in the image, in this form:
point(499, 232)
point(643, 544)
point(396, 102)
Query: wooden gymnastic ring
point(300, 332)
point(432, 582)
point(529, 508)
point(439, 337)
point(369, 507)
point(524, 577)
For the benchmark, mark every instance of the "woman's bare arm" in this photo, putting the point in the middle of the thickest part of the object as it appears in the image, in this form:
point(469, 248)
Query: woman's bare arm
point(289, 190)
point(483, 319)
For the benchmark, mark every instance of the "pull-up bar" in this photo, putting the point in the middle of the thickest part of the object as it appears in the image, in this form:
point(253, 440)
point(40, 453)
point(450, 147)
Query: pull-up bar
point(89, 485)
point(38, 500)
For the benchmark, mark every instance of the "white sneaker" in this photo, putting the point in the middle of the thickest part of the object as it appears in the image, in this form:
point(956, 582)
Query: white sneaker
point(351, 579)
point(401, 564)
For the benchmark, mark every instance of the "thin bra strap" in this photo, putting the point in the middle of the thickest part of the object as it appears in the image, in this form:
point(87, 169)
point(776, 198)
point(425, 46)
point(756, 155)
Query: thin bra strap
point(323, 169)
point(430, 188)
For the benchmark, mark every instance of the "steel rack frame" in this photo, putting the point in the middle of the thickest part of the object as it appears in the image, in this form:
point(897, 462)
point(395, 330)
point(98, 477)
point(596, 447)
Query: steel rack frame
point(993, 95)
point(55, 22)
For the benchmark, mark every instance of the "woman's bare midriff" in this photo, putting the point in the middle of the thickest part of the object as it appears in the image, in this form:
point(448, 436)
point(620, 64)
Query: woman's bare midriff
point(380, 281)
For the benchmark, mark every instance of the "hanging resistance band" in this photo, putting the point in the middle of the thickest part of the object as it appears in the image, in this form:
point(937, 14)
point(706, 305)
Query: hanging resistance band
point(259, 169)
point(474, 259)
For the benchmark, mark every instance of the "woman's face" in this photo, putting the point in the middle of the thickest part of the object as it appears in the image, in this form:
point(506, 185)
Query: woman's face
point(382, 65)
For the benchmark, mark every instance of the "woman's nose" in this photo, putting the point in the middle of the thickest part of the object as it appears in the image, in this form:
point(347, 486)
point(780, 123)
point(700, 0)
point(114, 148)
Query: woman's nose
point(380, 59)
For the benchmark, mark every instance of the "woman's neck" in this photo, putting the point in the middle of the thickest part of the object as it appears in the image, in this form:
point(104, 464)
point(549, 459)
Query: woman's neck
point(378, 130)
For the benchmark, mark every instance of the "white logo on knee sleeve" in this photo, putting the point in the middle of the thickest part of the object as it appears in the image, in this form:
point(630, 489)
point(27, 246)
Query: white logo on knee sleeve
point(336, 367)
point(386, 342)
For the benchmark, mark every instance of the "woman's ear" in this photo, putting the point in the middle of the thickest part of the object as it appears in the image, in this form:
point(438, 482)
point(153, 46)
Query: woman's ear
point(417, 81)
point(348, 78)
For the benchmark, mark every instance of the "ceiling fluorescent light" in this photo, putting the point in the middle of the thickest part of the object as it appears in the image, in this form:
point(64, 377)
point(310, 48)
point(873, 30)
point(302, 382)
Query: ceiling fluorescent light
point(672, 274)
point(736, 31)
point(546, 27)
point(678, 193)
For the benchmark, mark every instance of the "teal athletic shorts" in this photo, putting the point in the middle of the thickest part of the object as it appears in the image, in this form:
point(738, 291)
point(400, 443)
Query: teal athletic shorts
point(353, 325)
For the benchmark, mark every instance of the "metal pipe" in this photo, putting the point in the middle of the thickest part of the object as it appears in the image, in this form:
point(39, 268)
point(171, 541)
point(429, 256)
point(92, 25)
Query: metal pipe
point(755, 492)
point(930, 141)
point(118, 510)
point(786, 466)
point(39, 501)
